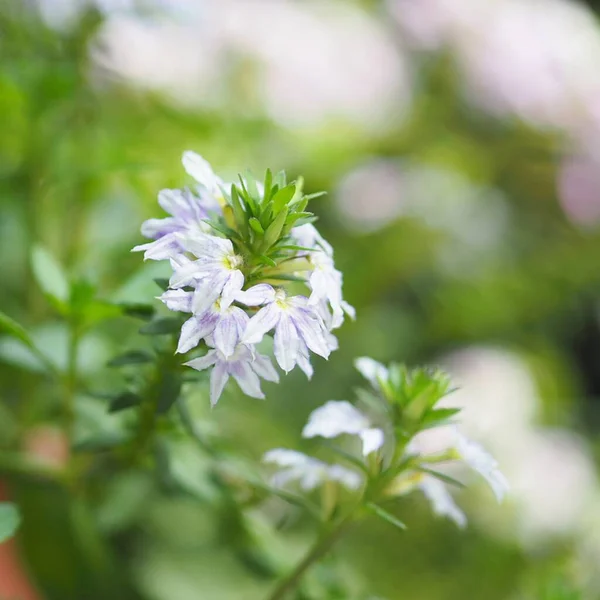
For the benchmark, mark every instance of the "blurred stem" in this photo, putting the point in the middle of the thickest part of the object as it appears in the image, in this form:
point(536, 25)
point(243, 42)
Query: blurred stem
point(71, 380)
point(323, 544)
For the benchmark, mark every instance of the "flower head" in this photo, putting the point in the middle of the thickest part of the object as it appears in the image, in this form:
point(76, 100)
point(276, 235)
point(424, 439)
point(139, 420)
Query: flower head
point(298, 327)
point(226, 244)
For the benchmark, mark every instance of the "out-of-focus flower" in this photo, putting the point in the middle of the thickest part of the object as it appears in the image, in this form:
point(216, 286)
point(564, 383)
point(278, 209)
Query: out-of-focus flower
point(481, 461)
point(308, 471)
point(579, 190)
point(371, 370)
point(350, 65)
point(335, 418)
point(244, 366)
point(441, 500)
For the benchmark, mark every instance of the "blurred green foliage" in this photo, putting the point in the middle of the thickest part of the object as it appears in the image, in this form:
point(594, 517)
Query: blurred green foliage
point(82, 157)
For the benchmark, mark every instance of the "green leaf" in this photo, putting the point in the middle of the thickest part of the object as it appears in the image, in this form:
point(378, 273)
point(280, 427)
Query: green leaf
point(297, 248)
point(437, 417)
point(239, 213)
point(170, 388)
point(124, 401)
point(265, 260)
point(226, 231)
point(273, 232)
point(162, 326)
point(10, 519)
point(284, 277)
point(135, 357)
point(315, 195)
point(282, 198)
point(267, 185)
point(255, 224)
point(385, 515)
point(442, 477)
point(14, 329)
point(139, 311)
point(49, 274)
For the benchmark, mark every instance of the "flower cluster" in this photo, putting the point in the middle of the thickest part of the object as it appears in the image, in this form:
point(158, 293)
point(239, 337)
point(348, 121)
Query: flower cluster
point(238, 253)
point(402, 412)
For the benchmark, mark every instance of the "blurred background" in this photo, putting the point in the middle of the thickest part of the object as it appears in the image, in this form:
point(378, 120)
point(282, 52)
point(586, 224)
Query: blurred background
point(459, 143)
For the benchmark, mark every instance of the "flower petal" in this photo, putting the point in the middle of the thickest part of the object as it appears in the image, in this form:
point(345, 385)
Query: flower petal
point(228, 330)
point(247, 379)
point(262, 322)
point(200, 169)
point(194, 329)
point(256, 295)
point(311, 331)
point(441, 500)
point(286, 342)
point(372, 440)
point(484, 463)
point(218, 379)
point(232, 287)
point(264, 368)
point(335, 418)
point(370, 369)
point(177, 300)
point(203, 362)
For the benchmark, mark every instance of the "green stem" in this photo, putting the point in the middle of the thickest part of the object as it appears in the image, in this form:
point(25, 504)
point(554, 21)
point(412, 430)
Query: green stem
point(318, 550)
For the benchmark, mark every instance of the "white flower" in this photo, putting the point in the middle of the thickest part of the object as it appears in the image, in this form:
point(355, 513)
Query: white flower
point(297, 325)
point(244, 366)
point(371, 370)
point(214, 273)
point(486, 465)
point(308, 471)
point(441, 500)
point(335, 418)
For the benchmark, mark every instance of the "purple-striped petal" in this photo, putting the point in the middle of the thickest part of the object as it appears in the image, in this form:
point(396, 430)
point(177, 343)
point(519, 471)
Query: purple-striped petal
point(247, 379)
point(286, 343)
point(203, 362)
point(262, 322)
point(259, 294)
point(264, 368)
point(177, 300)
point(218, 379)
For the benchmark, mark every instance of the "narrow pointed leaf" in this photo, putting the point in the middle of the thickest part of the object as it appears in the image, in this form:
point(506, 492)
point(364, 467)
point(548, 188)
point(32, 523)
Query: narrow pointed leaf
point(442, 477)
point(385, 515)
point(49, 274)
point(135, 357)
point(162, 326)
point(124, 401)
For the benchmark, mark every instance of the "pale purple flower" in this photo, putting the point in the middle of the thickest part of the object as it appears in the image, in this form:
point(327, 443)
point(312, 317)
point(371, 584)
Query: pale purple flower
point(214, 273)
point(297, 327)
point(335, 418)
point(225, 325)
point(243, 365)
point(188, 214)
point(308, 471)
